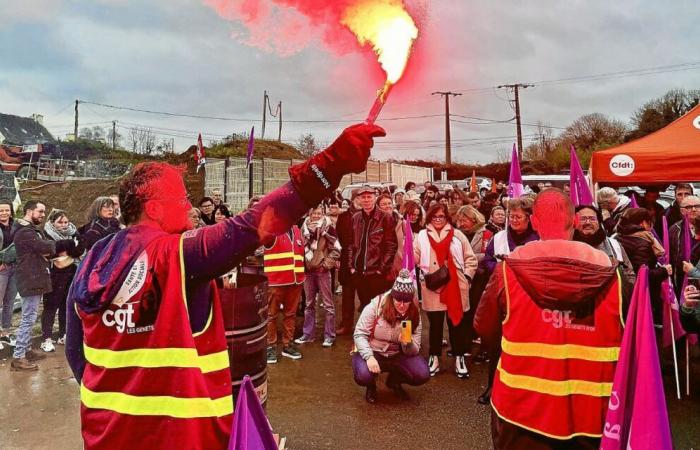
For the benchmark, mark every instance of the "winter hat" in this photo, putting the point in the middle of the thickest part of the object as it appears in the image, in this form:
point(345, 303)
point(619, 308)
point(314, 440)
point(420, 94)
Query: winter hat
point(403, 289)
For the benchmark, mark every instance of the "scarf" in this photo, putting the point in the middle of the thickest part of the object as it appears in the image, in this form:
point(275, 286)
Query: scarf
point(450, 295)
point(594, 240)
point(57, 235)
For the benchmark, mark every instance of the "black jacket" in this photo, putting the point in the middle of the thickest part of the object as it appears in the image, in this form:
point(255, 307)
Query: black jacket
point(33, 254)
point(673, 214)
point(378, 245)
point(99, 228)
point(345, 237)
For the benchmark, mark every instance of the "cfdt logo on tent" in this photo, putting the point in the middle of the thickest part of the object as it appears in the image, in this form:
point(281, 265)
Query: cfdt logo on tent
point(696, 122)
point(622, 165)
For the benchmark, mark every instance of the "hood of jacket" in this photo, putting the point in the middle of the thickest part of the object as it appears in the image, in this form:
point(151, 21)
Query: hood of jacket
point(106, 265)
point(569, 282)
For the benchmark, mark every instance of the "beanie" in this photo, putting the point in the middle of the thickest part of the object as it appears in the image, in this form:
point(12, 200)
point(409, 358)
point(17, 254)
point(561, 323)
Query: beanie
point(403, 289)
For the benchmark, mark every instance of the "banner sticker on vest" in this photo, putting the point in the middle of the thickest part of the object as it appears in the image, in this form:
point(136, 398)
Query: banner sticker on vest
point(622, 165)
point(134, 280)
point(696, 122)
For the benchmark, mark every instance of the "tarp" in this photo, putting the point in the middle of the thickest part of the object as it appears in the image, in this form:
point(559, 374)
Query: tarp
point(669, 155)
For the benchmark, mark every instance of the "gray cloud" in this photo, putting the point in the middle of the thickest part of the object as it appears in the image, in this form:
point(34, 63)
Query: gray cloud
point(180, 56)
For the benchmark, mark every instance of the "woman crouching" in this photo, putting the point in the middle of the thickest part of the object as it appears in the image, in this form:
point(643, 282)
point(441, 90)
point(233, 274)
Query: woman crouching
point(387, 337)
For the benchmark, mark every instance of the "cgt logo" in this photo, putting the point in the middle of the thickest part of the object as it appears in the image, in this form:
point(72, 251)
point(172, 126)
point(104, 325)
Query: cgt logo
point(557, 318)
point(622, 165)
point(121, 318)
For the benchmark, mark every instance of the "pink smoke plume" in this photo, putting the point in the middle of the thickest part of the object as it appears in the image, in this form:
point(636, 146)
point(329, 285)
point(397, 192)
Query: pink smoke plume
point(287, 26)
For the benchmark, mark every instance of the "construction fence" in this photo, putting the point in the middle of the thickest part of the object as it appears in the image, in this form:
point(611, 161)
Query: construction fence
point(231, 177)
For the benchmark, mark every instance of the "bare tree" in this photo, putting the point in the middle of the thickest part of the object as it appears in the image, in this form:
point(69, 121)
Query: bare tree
point(592, 132)
point(307, 145)
point(659, 112)
point(141, 140)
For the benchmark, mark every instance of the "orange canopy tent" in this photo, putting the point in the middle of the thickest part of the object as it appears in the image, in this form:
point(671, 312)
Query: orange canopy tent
point(669, 155)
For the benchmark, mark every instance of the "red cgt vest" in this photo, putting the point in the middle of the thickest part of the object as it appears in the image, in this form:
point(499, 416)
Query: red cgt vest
point(284, 260)
point(556, 371)
point(149, 381)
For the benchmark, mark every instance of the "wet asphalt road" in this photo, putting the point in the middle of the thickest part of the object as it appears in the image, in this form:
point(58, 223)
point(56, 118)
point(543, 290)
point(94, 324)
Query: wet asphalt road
point(313, 402)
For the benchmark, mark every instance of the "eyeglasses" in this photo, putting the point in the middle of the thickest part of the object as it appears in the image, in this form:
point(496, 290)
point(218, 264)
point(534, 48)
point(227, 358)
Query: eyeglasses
point(692, 207)
point(439, 217)
point(588, 219)
point(516, 217)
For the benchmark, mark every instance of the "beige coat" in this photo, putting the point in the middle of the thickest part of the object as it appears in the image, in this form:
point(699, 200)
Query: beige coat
point(431, 299)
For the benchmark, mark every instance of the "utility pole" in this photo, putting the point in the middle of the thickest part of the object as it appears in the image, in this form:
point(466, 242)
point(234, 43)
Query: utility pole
point(279, 111)
point(262, 135)
point(448, 145)
point(75, 129)
point(114, 135)
point(516, 87)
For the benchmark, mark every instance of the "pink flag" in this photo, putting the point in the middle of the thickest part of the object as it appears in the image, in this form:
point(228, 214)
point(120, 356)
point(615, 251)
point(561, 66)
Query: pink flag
point(633, 201)
point(579, 191)
point(686, 248)
point(251, 145)
point(637, 416)
point(671, 316)
point(515, 182)
point(251, 429)
point(408, 262)
point(199, 157)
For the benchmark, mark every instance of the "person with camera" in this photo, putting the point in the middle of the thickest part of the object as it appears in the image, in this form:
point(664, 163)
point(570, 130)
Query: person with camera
point(388, 339)
point(448, 264)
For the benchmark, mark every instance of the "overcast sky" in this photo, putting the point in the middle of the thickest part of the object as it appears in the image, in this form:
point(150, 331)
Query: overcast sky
point(182, 56)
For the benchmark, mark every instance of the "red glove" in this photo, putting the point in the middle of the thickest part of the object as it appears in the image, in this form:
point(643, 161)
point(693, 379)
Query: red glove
point(318, 177)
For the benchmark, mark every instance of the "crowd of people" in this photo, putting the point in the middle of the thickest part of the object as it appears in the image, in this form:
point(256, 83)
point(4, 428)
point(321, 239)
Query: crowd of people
point(477, 264)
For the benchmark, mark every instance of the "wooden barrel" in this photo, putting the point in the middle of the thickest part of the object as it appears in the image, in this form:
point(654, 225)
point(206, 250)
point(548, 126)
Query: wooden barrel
point(245, 320)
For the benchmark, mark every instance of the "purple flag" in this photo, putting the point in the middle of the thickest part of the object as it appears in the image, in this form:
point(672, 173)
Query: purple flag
point(408, 262)
point(251, 429)
point(515, 182)
point(251, 145)
point(637, 416)
point(671, 316)
point(685, 253)
point(580, 192)
point(633, 201)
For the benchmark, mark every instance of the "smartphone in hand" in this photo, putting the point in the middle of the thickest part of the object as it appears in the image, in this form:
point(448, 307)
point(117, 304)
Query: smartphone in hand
point(406, 332)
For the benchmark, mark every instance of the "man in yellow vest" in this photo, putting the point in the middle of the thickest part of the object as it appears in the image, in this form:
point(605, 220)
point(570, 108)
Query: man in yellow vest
point(555, 305)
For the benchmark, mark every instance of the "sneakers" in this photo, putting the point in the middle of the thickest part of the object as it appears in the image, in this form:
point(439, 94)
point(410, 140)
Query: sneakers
point(271, 355)
point(434, 365)
point(23, 365)
point(461, 367)
point(328, 342)
point(61, 340)
point(303, 340)
point(8, 339)
point(31, 355)
point(291, 353)
point(47, 346)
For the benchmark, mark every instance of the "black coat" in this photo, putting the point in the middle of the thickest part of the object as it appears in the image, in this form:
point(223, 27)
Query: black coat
point(61, 278)
point(33, 254)
point(98, 229)
point(343, 228)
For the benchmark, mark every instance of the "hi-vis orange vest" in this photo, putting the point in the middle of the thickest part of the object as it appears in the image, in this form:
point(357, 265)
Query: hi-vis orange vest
point(556, 371)
point(149, 381)
point(284, 260)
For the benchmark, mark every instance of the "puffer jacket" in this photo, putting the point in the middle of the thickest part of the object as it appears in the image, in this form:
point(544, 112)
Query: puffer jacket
point(379, 243)
point(374, 334)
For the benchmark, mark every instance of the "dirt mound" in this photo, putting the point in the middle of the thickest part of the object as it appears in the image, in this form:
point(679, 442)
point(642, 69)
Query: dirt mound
point(75, 197)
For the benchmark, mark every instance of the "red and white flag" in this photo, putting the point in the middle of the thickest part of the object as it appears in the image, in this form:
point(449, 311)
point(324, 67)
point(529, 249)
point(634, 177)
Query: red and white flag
point(199, 157)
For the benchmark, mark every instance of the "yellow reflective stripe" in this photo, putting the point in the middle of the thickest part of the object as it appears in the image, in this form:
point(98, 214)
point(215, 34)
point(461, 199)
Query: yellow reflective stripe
point(562, 351)
point(279, 268)
point(298, 258)
point(272, 256)
point(551, 387)
point(299, 269)
point(535, 430)
point(161, 405)
point(157, 357)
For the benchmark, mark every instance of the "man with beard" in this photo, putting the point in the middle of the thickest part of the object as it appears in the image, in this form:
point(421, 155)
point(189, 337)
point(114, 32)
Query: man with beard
point(588, 230)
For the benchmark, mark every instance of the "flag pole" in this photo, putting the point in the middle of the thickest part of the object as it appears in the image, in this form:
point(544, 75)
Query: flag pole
point(687, 367)
point(675, 358)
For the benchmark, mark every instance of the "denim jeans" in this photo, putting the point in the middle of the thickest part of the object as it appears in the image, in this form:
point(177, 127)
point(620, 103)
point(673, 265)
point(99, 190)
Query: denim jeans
point(319, 283)
point(30, 310)
point(8, 292)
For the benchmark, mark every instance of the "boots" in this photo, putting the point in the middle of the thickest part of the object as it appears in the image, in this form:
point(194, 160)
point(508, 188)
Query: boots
point(371, 393)
point(22, 365)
